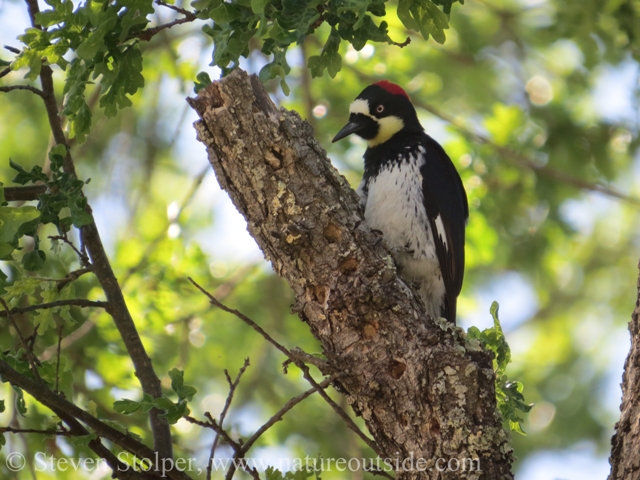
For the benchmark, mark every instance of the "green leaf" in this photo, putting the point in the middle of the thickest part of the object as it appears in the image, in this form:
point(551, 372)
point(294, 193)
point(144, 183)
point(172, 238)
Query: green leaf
point(508, 393)
point(95, 41)
point(23, 286)
point(25, 177)
point(123, 77)
point(13, 218)
point(21, 406)
point(257, 6)
point(82, 441)
point(126, 407)
point(34, 260)
point(184, 392)
point(203, 80)
point(329, 59)
point(80, 218)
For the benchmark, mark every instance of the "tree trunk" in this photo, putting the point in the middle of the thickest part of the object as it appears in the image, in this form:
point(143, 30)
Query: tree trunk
point(425, 393)
point(625, 452)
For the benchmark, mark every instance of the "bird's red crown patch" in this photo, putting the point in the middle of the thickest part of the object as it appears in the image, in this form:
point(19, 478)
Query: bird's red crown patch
point(392, 88)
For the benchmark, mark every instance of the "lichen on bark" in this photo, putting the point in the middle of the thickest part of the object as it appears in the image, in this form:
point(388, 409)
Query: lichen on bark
point(423, 391)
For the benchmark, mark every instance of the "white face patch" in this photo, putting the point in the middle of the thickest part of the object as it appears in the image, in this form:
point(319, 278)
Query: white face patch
point(441, 232)
point(389, 126)
point(360, 106)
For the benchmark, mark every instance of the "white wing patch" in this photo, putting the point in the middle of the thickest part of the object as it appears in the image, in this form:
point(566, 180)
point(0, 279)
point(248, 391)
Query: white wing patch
point(441, 232)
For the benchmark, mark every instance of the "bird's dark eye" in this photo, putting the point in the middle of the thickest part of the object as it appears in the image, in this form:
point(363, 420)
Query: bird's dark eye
point(380, 108)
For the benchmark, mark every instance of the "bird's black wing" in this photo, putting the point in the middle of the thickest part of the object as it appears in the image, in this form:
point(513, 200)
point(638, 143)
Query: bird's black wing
point(445, 201)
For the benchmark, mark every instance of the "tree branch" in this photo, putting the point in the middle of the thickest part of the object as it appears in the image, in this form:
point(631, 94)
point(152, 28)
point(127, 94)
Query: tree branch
point(74, 302)
point(422, 390)
point(232, 388)
point(28, 352)
point(29, 88)
point(24, 194)
point(71, 414)
point(149, 33)
point(117, 306)
point(626, 441)
point(52, 431)
point(295, 358)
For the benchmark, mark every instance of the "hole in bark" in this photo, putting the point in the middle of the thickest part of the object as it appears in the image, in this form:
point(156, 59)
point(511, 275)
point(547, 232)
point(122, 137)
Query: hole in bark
point(397, 369)
point(274, 158)
point(370, 330)
point(332, 233)
point(320, 293)
point(348, 265)
point(434, 426)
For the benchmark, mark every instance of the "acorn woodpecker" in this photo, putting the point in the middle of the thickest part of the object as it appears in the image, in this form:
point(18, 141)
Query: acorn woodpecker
point(412, 193)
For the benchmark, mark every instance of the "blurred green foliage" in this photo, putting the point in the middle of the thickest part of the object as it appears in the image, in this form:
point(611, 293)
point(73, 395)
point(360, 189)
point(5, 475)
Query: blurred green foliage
point(530, 77)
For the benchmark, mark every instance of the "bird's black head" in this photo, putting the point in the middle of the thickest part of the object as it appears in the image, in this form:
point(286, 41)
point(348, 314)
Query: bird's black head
point(379, 112)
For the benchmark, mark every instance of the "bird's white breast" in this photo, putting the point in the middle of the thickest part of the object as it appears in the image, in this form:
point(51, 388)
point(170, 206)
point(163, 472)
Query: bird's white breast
point(394, 204)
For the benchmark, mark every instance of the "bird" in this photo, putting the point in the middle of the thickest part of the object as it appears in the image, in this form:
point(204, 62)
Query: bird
point(412, 193)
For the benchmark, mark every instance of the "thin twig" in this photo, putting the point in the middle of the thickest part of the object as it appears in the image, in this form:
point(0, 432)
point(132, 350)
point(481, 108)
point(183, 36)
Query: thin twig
point(239, 454)
point(341, 413)
point(242, 317)
point(74, 302)
point(299, 355)
point(72, 415)
point(63, 432)
point(70, 339)
point(30, 357)
point(84, 259)
point(25, 193)
point(5, 72)
point(90, 238)
point(72, 277)
point(286, 407)
point(29, 88)
point(149, 33)
point(213, 425)
point(232, 388)
point(12, 49)
point(350, 423)
point(56, 390)
point(181, 10)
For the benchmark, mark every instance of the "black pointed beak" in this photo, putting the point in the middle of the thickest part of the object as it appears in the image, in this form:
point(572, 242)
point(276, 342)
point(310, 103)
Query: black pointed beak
point(354, 126)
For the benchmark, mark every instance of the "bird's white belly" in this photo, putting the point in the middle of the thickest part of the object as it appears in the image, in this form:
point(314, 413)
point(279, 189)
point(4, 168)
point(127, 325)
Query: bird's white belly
point(394, 205)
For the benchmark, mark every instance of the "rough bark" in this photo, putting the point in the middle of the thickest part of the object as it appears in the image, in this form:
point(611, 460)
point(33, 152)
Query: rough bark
point(625, 452)
point(422, 389)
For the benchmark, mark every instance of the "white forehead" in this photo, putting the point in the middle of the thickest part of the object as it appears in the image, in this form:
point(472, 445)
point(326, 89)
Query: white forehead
point(360, 106)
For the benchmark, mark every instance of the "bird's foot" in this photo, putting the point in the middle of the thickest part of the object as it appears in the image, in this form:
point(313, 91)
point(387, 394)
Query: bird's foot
point(404, 249)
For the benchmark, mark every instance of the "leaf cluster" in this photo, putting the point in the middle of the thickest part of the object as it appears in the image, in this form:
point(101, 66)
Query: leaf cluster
point(102, 35)
point(508, 393)
point(279, 24)
point(64, 195)
point(173, 410)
